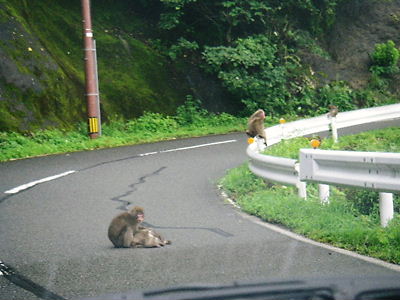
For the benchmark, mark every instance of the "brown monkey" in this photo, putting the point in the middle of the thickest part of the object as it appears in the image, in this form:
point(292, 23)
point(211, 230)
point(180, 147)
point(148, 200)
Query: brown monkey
point(125, 231)
point(147, 237)
point(333, 111)
point(124, 226)
point(255, 125)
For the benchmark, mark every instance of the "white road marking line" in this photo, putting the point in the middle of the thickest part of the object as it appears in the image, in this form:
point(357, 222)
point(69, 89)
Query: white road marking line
point(187, 148)
point(148, 153)
point(198, 146)
point(33, 183)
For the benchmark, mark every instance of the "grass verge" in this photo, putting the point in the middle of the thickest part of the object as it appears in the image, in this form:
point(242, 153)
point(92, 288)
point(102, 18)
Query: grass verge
point(151, 127)
point(350, 221)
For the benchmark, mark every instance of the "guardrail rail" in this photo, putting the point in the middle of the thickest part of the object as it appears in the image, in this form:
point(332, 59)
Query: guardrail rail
point(378, 171)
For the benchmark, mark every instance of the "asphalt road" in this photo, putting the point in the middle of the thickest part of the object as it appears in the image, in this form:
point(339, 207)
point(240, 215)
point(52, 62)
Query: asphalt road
point(53, 235)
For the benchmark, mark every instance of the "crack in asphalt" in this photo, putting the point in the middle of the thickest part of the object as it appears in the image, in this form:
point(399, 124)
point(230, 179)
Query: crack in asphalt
point(213, 230)
point(133, 188)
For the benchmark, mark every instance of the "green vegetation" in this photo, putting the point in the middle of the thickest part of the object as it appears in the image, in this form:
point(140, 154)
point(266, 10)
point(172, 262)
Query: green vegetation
point(255, 50)
point(43, 83)
point(350, 221)
point(385, 58)
point(384, 140)
point(191, 120)
point(234, 55)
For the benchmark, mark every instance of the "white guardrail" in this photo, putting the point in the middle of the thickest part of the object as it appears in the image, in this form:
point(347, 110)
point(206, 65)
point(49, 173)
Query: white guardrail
point(372, 170)
point(322, 123)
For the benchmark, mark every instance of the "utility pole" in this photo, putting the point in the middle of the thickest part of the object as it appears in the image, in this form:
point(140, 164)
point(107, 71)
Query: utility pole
point(92, 95)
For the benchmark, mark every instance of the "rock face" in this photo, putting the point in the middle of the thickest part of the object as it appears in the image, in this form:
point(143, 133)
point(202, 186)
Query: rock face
point(360, 24)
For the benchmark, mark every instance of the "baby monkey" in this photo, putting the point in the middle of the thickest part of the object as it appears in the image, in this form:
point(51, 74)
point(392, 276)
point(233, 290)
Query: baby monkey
point(125, 231)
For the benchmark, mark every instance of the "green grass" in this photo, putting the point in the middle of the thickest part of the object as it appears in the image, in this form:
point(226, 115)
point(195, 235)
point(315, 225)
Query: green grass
point(350, 221)
point(151, 127)
point(384, 140)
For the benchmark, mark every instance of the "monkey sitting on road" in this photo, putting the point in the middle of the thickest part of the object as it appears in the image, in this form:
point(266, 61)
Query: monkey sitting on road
point(125, 231)
point(255, 125)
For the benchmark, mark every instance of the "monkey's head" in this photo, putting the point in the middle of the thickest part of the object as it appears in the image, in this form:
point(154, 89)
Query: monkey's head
point(333, 110)
point(260, 114)
point(138, 213)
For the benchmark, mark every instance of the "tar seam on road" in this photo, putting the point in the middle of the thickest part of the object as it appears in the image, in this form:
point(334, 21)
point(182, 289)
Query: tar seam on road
point(213, 230)
point(50, 178)
point(142, 180)
point(26, 283)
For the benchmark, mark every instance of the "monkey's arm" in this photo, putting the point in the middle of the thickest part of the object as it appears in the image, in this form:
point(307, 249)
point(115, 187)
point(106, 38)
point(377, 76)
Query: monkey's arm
point(128, 238)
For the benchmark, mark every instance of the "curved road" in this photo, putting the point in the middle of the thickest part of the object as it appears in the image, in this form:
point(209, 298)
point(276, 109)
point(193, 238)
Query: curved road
point(53, 233)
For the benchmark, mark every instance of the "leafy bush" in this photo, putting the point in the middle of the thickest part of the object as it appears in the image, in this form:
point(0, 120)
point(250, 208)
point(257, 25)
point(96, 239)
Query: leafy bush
point(252, 70)
point(337, 93)
point(151, 123)
point(385, 58)
point(181, 48)
point(190, 112)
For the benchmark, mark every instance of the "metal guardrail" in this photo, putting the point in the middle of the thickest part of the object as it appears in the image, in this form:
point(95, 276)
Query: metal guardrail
point(289, 171)
point(277, 169)
point(322, 123)
point(378, 171)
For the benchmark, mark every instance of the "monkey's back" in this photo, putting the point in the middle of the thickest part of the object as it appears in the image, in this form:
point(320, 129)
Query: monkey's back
point(117, 228)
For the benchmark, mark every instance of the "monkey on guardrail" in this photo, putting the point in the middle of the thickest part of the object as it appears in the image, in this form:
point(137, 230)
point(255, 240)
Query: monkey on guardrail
point(255, 125)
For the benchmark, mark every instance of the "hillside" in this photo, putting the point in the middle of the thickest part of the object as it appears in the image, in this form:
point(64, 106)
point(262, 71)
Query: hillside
point(359, 26)
point(41, 74)
point(151, 54)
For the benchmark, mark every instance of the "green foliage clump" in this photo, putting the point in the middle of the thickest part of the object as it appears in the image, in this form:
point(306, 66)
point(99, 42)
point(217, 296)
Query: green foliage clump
point(190, 112)
point(182, 48)
point(385, 58)
point(151, 123)
point(252, 70)
point(337, 93)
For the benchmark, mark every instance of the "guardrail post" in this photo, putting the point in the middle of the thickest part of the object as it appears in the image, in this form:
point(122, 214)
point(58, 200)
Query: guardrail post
point(282, 126)
point(323, 190)
point(302, 189)
point(260, 143)
point(385, 208)
point(334, 129)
